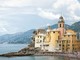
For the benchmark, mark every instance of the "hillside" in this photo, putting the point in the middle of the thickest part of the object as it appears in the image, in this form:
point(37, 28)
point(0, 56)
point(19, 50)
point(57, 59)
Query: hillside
point(21, 38)
point(75, 26)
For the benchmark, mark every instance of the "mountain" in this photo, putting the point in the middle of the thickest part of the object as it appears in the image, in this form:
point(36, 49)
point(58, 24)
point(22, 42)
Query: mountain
point(21, 38)
point(56, 26)
point(25, 37)
point(75, 26)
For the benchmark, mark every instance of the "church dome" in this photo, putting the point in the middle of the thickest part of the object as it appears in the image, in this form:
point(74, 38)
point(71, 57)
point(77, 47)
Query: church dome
point(61, 19)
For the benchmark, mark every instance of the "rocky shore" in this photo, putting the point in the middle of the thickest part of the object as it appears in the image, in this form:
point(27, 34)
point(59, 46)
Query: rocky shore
point(13, 54)
point(22, 52)
point(36, 52)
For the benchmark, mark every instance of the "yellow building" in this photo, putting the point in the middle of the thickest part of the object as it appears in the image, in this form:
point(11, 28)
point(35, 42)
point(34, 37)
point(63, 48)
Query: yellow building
point(57, 40)
point(47, 41)
point(69, 42)
point(51, 38)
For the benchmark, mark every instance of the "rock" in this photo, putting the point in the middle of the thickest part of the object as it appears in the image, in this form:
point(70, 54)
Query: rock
point(12, 54)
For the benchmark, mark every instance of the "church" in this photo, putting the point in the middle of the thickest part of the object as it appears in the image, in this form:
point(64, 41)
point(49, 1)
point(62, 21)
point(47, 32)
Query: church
point(57, 40)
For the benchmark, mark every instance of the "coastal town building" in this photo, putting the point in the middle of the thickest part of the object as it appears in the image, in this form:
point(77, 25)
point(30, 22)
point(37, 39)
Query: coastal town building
point(57, 40)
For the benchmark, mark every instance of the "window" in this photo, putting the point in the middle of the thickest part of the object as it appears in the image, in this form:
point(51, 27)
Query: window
point(58, 37)
point(48, 32)
point(63, 48)
point(40, 36)
point(59, 44)
point(56, 41)
point(60, 25)
point(37, 41)
point(75, 35)
point(63, 41)
point(58, 32)
point(68, 35)
point(45, 45)
point(68, 48)
point(64, 35)
point(40, 45)
point(68, 41)
point(68, 45)
point(60, 41)
point(53, 32)
point(73, 49)
point(63, 45)
point(43, 40)
point(40, 40)
point(72, 44)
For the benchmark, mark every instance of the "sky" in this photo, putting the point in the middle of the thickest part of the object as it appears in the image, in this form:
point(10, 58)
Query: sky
point(22, 15)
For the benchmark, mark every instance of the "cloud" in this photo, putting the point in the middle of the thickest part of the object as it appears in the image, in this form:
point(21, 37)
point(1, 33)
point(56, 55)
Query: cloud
point(22, 3)
point(3, 30)
point(15, 3)
point(47, 14)
point(10, 7)
point(18, 11)
point(68, 8)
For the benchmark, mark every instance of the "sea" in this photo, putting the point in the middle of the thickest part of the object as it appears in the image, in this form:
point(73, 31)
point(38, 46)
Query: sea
point(6, 48)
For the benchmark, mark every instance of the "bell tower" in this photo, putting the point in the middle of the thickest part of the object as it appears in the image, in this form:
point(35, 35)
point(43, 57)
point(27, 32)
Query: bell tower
point(61, 22)
point(61, 26)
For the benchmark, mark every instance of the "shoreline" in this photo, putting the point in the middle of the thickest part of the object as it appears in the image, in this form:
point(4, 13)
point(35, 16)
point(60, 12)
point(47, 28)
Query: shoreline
point(31, 51)
point(16, 54)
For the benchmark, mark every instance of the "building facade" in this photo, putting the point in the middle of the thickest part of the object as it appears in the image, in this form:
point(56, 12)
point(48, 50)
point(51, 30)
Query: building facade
point(57, 40)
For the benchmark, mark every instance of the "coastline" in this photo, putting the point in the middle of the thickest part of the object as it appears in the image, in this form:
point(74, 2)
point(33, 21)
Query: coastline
point(17, 54)
point(31, 51)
